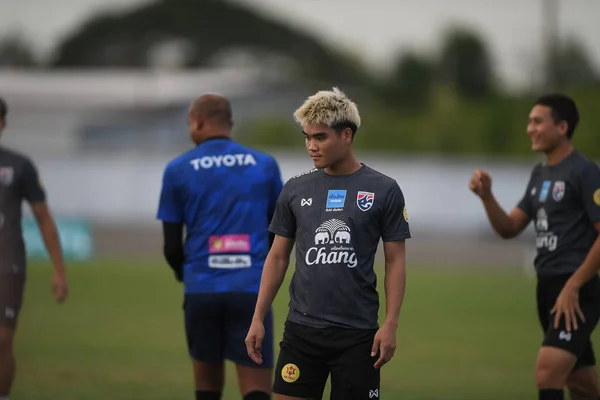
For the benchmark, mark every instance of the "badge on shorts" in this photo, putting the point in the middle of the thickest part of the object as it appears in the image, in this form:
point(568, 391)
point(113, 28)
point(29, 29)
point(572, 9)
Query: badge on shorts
point(558, 191)
point(6, 175)
point(364, 200)
point(290, 373)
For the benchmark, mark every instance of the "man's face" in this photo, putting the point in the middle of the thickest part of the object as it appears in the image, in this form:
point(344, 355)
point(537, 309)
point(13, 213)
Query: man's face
point(326, 146)
point(544, 133)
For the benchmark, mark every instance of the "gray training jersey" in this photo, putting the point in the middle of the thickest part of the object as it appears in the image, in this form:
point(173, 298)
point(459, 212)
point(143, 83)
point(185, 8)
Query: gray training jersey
point(18, 181)
point(337, 222)
point(564, 202)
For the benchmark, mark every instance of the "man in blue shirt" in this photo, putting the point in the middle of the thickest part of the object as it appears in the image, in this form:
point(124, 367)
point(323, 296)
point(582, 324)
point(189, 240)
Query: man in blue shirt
point(224, 194)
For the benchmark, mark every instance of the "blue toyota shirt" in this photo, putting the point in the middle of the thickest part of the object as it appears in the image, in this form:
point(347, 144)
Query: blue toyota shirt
point(225, 194)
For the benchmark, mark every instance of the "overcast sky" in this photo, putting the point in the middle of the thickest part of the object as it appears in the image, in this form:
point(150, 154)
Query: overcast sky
point(375, 29)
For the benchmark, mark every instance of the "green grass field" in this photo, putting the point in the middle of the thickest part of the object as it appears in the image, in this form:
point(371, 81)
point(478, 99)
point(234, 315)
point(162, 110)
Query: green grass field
point(464, 334)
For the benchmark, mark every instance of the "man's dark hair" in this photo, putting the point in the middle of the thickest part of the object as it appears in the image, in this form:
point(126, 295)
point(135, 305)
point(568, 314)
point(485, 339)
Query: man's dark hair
point(3, 108)
point(340, 126)
point(563, 109)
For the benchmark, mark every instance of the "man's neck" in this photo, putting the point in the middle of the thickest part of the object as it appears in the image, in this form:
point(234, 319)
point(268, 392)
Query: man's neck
point(559, 153)
point(213, 136)
point(345, 167)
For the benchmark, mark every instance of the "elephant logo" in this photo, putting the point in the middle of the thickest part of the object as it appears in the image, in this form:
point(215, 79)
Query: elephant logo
point(332, 231)
point(333, 245)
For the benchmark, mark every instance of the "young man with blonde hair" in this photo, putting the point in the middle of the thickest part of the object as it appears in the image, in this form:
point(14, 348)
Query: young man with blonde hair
point(335, 214)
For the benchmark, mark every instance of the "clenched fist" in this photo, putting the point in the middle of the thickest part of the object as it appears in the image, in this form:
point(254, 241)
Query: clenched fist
point(481, 184)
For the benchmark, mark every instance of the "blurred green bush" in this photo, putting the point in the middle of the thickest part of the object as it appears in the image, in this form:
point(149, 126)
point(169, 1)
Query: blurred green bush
point(450, 125)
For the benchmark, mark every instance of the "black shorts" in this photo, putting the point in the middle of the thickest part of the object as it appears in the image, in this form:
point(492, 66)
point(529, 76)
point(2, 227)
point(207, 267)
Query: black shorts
point(576, 342)
point(308, 355)
point(216, 327)
point(12, 286)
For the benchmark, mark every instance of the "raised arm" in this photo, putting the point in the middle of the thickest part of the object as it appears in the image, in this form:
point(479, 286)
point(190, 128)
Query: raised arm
point(506, 225)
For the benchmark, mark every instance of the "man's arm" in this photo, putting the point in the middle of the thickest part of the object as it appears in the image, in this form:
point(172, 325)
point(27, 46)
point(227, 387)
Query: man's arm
point(506, 225)
point(395, 280)
point(50, 235)
point(173, 247)
point(273, 274)
point(35, 195)
point(171, 213)
point(589, 191)
point(590, 266)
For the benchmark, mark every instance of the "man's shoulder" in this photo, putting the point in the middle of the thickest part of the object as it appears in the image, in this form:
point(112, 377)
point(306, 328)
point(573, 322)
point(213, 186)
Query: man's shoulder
point(306, 175)
point(379, 178)
point(258, 154)
point(581, 162)
point(14, 156)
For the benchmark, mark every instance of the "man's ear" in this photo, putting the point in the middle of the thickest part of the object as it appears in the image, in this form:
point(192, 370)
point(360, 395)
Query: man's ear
point(564, 127)
point(347, 134)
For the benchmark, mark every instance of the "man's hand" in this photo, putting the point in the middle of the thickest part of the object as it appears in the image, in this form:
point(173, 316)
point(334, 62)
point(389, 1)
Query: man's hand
point(385, 342)
point(60, 288)
point(567, 304)
point(481, 184)
point(254, 340)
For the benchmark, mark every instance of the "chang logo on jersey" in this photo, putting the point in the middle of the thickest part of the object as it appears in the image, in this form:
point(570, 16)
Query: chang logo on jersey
point(333, 245)
point(227, 160)
point(545, 239)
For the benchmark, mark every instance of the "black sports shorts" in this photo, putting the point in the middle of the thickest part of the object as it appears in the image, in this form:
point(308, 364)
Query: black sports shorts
point(12, 286)
point(576, 342)
point(308, 355)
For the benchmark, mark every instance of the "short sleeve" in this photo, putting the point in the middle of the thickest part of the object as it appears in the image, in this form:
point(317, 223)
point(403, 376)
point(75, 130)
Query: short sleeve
point(171, 206)
point(589, 190)
point(284, 220)
point(276, 187)
point(33, 190)
point(395, 217)
point(525, 203)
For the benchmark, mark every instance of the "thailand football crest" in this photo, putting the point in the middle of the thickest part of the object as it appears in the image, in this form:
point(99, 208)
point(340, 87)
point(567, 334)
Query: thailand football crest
point(558, 191)
point(364, 200)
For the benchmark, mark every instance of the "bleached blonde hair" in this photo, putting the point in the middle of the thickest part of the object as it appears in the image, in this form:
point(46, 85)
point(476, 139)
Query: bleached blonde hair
point(330, 108)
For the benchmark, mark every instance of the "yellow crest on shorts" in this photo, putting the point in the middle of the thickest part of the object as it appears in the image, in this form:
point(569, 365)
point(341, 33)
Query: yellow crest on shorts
point(290, 373)
point(405, 214)
point(597, 197)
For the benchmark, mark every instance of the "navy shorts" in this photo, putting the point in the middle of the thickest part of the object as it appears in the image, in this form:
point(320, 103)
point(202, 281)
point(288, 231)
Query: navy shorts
point(576, 342)
point(217, 324)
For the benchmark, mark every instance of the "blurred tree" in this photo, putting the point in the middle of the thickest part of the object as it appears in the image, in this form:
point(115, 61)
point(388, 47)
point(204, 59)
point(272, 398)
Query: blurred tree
point(207, 28)
point(466, 64)
point(574, 66)
point(15, 51)
point(409, 86)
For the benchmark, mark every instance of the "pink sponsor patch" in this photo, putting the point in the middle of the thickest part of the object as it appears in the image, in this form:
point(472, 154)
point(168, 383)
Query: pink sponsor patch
point(229, 243)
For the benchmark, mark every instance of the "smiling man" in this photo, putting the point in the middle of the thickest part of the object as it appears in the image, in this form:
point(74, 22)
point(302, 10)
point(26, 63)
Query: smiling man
point(336, 215)
point(563, 198)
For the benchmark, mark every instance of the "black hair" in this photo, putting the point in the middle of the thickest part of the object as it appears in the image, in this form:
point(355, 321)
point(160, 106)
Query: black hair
point(3, 108)
point(340, 126)
point(563, 108)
